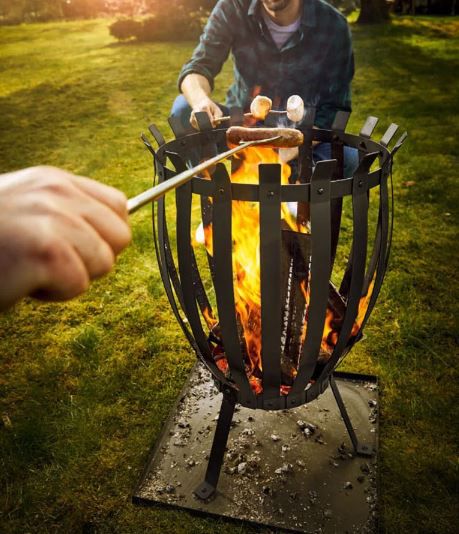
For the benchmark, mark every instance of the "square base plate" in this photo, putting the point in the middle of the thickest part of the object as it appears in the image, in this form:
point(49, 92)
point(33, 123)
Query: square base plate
point(291, 470)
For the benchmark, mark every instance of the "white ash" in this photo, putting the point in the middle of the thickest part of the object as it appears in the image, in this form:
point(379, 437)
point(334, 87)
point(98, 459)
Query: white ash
point(183, 424)
point(301, 424)
point(285, 468)
point(231, 455)
point(242, 468)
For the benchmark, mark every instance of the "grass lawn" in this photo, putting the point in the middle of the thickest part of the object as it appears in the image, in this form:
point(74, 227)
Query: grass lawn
point(86, 386)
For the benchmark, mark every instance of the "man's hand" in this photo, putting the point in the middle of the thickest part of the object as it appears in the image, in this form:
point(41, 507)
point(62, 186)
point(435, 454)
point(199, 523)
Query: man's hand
point(210, 107)
point(58, 231)
point(197, 91)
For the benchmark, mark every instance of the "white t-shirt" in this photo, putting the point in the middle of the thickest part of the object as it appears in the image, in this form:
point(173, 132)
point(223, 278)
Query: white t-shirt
point(280, 34)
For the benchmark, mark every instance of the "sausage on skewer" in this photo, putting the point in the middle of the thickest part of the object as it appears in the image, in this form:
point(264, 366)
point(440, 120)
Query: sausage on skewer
point(285, 137)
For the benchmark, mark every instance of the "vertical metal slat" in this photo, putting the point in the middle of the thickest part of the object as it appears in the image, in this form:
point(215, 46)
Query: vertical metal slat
point(320, 270)
point(185, 258)
point(384, 222)
point(270, 275)
point(224, 288)
point(359, 255)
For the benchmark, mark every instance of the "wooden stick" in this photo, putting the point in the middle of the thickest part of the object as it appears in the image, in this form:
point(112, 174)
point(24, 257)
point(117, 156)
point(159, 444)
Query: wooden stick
point(158, 191)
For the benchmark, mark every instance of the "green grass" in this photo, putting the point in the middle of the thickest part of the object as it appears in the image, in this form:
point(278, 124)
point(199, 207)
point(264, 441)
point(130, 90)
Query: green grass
point(87, 385)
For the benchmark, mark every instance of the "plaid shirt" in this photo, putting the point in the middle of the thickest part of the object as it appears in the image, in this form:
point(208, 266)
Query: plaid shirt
point(316, 63)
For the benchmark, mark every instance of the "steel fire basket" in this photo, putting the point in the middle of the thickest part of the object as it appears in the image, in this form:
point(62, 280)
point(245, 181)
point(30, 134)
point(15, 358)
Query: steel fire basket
point(297, 295)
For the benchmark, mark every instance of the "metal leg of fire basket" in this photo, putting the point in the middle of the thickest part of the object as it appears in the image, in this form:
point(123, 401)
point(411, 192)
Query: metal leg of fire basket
point(207, 488)
point(359, 448)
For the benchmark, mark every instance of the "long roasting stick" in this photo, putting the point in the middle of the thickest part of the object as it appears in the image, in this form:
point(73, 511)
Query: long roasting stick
point(158, 191)
point(270, 112)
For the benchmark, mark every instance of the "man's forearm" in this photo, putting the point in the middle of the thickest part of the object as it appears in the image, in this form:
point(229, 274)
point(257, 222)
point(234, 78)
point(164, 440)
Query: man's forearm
point(197, 91)
point(195, 88)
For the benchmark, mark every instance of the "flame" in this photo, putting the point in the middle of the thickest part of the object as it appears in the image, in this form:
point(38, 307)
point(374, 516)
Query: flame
point(329, 334)
point(332, 325)
point(363, 307)
point(209, 317)
point(246, 269)
point(246, 254)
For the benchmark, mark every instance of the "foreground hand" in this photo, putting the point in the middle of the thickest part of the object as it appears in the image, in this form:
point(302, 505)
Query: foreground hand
point(58, 231)
point(210, 107)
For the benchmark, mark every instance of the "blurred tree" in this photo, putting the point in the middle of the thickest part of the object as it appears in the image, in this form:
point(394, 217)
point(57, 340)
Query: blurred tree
point(373, 12)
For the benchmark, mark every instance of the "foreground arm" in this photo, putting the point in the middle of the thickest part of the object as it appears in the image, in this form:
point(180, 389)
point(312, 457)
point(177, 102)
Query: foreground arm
point(58, 231)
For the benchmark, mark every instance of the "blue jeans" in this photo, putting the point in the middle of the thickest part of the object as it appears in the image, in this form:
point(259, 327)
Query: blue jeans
point(181, 109)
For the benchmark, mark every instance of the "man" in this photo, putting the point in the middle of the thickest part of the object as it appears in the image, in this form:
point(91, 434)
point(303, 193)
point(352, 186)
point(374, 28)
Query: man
point(58, 231)
point(279, 48)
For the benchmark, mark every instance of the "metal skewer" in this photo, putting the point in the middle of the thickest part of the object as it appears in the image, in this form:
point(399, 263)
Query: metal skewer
point(272, 111)
point(156, 192)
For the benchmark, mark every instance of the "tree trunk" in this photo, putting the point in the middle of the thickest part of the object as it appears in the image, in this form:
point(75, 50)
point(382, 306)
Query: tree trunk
point(373, 12)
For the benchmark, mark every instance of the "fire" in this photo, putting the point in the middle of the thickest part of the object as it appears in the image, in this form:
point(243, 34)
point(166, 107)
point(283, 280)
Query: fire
point(209, 317)
point(363, 307)
point(246, 255)
point(246, 269)
point(332, 324)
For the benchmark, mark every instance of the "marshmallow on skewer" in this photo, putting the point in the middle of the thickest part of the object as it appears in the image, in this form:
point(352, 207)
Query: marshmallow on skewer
point(260, 107)
point(295, 108)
